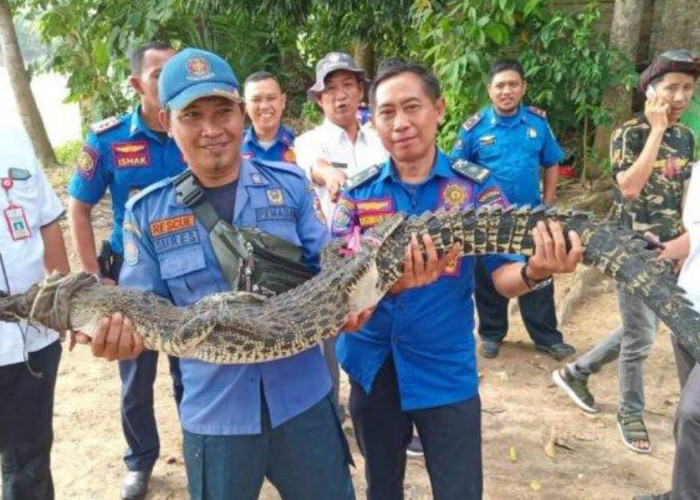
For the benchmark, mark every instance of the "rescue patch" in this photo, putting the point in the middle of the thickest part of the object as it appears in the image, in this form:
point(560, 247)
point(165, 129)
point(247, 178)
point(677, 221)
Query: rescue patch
point(472, 121)
point(489, 196)
point(318, 210)
point(376, 205)
point(131, 154)
point(289, 156)
point(275, 213)
point(131, 253)
point(455, 194)
point(176, 240)
point(531, 133)
point(86, 163)
point(172, 225)
point(342, 219)
point(256, 178)
point(275, 197)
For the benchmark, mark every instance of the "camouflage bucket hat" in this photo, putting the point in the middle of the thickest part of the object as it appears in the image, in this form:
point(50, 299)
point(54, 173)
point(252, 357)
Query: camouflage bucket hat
point(672, 61)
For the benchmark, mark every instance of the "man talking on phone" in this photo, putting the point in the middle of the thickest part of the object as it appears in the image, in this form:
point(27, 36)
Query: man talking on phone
point(651, 157)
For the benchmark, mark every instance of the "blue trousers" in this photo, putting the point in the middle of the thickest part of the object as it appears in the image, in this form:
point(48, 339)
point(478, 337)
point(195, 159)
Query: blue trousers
point(536, 308)
point(305, 458)
point(450, 434)
point(26, 425)
point(138, 419)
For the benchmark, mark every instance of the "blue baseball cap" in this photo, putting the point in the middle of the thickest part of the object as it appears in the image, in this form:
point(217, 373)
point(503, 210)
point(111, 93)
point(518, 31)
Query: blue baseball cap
point(192, 74)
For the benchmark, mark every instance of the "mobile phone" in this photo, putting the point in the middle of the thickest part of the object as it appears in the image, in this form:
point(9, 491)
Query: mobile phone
point(651, 92)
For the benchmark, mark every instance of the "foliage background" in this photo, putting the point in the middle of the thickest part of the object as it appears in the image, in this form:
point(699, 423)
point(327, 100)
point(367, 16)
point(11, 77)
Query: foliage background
point(567, 62)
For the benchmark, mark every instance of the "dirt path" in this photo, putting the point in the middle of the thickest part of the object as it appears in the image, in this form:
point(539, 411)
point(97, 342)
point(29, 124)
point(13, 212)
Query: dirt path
point(523, 410)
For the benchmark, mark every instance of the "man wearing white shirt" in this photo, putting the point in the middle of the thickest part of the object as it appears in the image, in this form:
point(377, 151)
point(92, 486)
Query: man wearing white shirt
point(30, 243)
point(340, 147)
point(337, 149)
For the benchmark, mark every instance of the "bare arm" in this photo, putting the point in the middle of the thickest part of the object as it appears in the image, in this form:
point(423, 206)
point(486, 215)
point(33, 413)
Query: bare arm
point(549, 184)
point(632, 180)
point(55, 255)
point(83, 237)
point(550, 257)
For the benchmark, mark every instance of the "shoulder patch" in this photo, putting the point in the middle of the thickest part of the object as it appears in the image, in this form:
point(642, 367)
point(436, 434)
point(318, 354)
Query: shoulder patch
point(131, 202)
point(470, 170)
point(104, 125)
point(280, 165)
point(472, 121)
point(537, 111)
point(362, 177)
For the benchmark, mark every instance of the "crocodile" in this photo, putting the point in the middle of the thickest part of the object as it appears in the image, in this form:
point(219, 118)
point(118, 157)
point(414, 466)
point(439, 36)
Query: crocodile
point(241, 327)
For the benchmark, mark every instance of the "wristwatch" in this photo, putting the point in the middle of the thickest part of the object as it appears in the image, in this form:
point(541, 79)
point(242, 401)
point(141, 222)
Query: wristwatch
point(533, 284)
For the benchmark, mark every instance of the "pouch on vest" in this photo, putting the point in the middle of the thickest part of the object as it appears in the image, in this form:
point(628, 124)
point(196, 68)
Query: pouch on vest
point(250, 259)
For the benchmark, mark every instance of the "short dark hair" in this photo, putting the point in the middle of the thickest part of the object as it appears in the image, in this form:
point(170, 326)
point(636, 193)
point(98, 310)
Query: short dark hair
point(259, 76)
point(506, 65)
point(136, 58)
point(395, 67)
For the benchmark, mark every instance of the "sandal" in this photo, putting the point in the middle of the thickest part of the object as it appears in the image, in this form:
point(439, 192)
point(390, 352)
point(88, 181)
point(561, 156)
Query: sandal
point(632, 429)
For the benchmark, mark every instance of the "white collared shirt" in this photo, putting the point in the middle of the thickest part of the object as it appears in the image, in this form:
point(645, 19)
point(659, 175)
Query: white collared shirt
point(23, 259)
point(689, 278)
point(330, 142)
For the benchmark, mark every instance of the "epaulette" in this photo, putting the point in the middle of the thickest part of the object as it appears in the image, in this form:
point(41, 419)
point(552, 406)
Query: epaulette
point(147, 190)
point(104, 125)
point(537, 111)
point(472, 121)
point(362, 177)
point(280, 165)
point(475, 173)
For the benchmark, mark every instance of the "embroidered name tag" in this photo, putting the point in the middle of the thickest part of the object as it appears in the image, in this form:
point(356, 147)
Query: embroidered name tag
point(131, 154)
point(176, 240)
point(275, 213)
point(376, 205)
point(172, 225)
point(490, 195)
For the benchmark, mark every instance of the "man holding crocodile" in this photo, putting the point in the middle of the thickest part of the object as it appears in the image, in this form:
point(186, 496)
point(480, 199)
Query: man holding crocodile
point(414, 362)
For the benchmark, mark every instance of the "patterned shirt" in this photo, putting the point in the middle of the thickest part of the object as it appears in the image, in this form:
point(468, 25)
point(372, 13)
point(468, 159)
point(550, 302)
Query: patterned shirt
point(658, 207)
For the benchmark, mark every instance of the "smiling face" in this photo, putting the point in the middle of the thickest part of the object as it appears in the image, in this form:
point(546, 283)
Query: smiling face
point(208, 132)
point(407, 119)
point(265, 103)
point(676, 89)
point(506, 90)
point(341, 97)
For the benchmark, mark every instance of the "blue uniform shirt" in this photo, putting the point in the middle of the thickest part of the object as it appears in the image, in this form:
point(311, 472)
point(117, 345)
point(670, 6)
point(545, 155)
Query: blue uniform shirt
point(168, 252)
point(427, 330)
point(513, 148)
point(125, 156)
point(282, 149)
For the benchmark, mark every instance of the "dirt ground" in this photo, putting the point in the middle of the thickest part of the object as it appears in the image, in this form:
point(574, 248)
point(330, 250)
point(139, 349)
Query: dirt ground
point(536, 443)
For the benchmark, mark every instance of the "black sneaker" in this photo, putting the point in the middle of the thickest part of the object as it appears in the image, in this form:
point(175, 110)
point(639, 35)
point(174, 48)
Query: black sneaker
point(556, 351)
point(414, 448)
point(490, 349)
point(576, 389)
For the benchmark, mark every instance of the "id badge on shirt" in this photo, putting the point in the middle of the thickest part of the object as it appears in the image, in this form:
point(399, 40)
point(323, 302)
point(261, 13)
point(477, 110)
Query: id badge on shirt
point(17, 222)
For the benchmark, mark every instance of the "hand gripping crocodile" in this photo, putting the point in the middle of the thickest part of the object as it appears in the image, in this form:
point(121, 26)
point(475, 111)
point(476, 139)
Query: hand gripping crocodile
point(247, 328)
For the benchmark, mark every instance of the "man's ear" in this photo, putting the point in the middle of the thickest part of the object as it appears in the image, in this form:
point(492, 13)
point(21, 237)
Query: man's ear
point(163, 118)
point(524, 87)
point(135, 83)
point(440, 106)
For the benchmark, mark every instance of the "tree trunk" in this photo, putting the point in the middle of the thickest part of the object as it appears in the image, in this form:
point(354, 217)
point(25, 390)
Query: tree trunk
point(363, 53)
point(677, 28)
point(19, 80)
point(624, 36)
